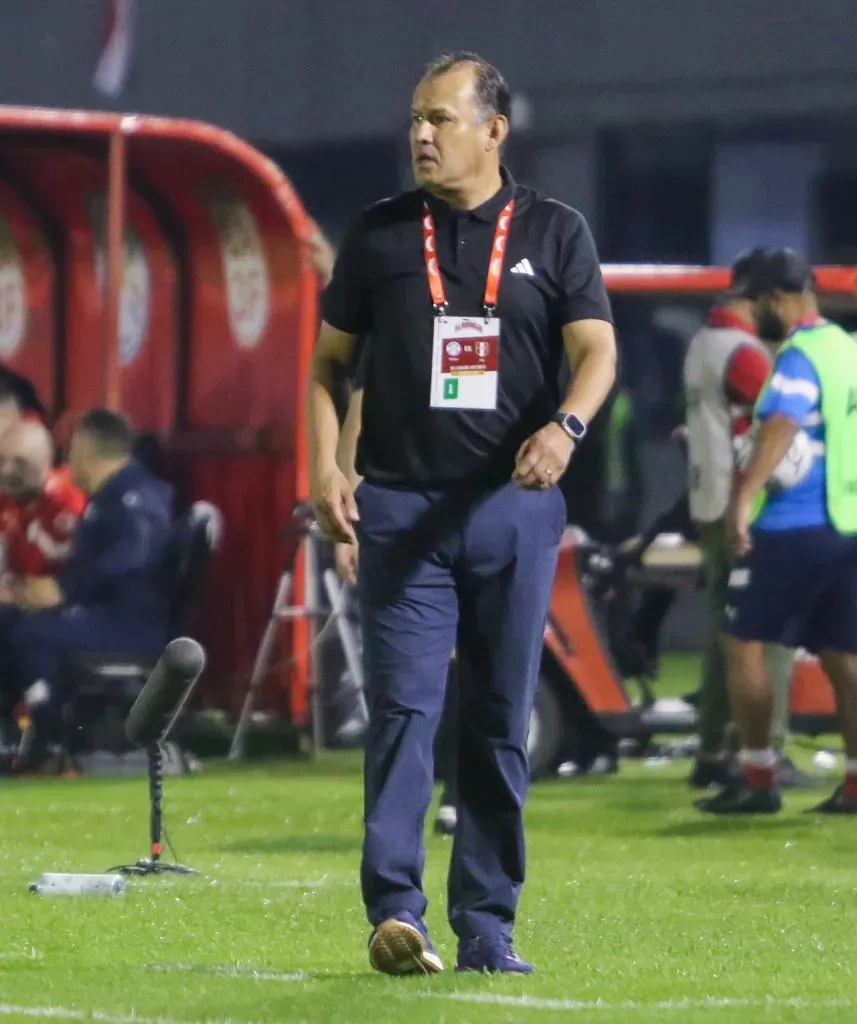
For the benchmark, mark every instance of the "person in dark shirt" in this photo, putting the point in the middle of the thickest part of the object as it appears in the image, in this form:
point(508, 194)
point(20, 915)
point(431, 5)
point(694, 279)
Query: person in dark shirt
point(468, 290)
point(113, 596)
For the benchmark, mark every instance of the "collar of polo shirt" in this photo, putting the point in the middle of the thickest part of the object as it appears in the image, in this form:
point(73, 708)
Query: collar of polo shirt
point(489, 211)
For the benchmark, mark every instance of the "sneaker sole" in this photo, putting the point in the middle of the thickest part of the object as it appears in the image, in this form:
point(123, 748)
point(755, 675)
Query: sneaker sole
point(494, 970)
point(700, 806)
point(711, 805)
point(398, 948)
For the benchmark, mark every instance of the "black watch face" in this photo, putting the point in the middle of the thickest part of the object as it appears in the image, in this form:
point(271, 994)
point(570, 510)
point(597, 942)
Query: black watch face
point(574, 426)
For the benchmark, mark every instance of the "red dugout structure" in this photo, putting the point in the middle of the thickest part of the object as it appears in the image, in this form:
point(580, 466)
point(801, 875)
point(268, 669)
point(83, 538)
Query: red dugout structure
point(155, 265)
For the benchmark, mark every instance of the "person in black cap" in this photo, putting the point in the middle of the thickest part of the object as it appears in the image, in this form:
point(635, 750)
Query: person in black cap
point(725, 369)
point(793, 528)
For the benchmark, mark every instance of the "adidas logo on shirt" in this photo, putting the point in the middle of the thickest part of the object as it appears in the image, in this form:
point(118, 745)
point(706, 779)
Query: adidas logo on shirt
point(523, 267)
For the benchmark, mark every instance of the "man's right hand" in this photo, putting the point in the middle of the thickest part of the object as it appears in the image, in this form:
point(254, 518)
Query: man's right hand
point(346, 562)
point(738, 518)
point(335, 507)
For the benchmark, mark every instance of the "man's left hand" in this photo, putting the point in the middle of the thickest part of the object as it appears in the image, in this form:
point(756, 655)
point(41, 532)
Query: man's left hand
point(36, 593)
point(543, 458)
point(346, 562)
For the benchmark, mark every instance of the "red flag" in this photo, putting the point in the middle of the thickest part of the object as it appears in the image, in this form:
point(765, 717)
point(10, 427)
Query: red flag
point(114, 59)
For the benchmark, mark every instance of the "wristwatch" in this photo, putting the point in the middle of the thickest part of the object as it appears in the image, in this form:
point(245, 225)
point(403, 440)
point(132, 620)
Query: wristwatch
point(572, 425)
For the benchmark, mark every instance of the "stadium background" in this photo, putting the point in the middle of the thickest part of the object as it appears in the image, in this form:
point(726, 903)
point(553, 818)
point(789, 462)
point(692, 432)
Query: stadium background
point(684, 132)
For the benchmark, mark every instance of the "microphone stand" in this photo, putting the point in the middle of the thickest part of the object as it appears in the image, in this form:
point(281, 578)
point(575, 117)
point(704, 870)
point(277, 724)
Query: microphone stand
point(149, 723)
point(153, 865)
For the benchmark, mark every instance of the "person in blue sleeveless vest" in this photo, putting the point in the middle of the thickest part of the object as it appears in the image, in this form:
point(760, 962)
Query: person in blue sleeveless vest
point(795, 578)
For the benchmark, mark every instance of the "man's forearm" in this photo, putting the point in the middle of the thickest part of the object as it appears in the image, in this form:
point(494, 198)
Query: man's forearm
point(773, 441)
point(347, 453)
point(333, 353)
point(592, 379)
point(322, 425)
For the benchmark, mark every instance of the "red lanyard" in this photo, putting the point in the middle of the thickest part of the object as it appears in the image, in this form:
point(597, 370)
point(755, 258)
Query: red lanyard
point(495, 266)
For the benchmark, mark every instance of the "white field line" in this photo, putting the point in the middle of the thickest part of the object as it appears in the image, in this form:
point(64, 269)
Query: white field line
point(98, 1017)
point(231, 971)
point(61, 1013)
point(272, 884)
point(281, 883)
point(633, 1006)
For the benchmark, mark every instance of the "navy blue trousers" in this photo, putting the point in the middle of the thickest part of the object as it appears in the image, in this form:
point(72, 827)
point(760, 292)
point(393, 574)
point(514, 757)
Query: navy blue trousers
point(37, 643)
point(437, 569)
point(10, 689)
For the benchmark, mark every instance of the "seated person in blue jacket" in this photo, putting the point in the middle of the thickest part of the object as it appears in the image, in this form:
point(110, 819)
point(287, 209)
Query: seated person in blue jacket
point(113, 596)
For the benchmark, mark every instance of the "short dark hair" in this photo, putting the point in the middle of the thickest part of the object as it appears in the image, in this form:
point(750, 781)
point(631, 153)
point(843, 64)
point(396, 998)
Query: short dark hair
point(111, 434)
point(492, 92)
point(8, 396)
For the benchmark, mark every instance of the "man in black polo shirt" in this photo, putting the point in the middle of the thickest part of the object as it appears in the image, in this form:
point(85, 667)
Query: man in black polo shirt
point(467, 288)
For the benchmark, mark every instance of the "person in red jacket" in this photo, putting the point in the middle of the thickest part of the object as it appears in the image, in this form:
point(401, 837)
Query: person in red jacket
point(39, 505)
point(39, 510)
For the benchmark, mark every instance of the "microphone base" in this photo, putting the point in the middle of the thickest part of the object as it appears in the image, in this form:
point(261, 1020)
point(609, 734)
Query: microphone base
point(147, 866)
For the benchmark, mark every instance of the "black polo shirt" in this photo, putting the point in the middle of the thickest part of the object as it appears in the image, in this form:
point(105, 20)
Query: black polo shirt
point(380, 290)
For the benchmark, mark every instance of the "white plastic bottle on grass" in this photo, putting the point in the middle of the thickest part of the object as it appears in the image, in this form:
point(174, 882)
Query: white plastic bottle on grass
point(52, 884)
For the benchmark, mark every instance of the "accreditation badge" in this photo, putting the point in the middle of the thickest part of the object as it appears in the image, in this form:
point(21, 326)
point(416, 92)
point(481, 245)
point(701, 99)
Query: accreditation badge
point(465, 362)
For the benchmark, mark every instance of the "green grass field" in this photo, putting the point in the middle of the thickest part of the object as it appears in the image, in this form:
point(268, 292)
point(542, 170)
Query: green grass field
point(637, 909)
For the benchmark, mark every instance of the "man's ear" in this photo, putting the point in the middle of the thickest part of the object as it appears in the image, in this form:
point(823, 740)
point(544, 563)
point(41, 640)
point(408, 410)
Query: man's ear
point(498, 133)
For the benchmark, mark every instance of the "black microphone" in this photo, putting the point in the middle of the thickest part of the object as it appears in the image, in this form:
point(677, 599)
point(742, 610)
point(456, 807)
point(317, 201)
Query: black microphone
point(166, 691)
